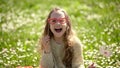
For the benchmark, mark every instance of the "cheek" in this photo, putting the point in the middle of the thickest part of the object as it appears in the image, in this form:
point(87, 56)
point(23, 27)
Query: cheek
point(51, 27)
point(64, 27)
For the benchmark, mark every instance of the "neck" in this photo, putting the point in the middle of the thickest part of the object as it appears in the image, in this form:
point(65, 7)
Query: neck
point(58, 39)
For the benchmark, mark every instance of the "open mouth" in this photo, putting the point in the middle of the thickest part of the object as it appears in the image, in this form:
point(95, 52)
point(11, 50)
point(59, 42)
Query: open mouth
point(58, 30)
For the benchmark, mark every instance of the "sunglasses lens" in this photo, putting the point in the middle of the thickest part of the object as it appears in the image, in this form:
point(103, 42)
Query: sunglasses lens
point(52, 21)
point(62, 21)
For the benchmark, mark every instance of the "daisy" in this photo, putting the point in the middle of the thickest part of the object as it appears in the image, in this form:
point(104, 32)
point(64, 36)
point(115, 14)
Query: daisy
point(105, 51)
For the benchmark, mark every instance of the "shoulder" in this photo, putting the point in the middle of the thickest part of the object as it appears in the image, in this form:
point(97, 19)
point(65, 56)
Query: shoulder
point(76, 41)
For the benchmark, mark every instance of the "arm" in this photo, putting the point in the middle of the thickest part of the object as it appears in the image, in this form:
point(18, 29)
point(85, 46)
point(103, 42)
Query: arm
point(46, 54)
point(46, 60)
point(77, 61)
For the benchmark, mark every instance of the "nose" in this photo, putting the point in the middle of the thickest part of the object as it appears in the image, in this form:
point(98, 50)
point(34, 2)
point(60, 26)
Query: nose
point(58, 23)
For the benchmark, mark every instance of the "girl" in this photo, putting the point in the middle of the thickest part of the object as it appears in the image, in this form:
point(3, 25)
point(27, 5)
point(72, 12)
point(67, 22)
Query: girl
point(60, 48)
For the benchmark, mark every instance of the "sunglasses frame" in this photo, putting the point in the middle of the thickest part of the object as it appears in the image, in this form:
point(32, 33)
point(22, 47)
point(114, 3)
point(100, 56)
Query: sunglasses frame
point(57, 19)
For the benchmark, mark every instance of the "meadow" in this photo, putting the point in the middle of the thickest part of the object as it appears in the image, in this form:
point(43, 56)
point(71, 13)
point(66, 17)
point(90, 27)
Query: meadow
point(96, 22)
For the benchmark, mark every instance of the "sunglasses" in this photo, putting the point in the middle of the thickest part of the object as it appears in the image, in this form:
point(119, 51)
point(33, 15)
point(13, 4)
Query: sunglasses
point(55, 20)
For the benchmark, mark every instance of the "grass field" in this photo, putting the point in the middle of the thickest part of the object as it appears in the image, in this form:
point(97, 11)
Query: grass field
point(96, 22)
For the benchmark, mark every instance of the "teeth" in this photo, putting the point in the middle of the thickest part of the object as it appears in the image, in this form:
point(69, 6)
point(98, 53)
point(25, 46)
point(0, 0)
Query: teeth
point(58, 30)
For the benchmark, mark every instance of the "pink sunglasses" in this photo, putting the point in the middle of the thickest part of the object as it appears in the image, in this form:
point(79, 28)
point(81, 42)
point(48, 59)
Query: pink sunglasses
point(55, 20)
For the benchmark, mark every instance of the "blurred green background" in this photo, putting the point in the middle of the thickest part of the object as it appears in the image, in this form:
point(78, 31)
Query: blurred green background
point(97, 23)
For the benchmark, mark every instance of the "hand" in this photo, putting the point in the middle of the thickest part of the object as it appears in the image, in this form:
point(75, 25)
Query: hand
point(92, 66)
point(46, 44)
point(40, 66)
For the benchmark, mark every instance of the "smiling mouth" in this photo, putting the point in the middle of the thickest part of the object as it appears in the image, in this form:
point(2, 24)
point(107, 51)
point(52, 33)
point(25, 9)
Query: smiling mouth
point(58, 30)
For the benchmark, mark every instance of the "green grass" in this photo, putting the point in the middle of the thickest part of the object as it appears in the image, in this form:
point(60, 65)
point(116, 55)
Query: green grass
point(97, 23)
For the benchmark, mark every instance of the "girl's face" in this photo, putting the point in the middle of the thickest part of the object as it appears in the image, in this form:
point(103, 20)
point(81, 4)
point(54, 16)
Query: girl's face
point(57, 23)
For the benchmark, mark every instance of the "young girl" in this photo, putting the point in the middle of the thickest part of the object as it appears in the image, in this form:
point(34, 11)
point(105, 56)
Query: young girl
point(60, 48)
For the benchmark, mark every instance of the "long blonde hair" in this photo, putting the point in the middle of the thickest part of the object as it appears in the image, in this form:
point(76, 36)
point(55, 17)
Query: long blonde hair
point(67, 60)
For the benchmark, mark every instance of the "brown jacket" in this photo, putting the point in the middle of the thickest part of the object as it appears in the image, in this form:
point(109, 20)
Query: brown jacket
point(54, 58)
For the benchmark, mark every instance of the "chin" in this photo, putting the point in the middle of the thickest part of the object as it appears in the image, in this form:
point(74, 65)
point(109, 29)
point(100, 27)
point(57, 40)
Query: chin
point(58, 35)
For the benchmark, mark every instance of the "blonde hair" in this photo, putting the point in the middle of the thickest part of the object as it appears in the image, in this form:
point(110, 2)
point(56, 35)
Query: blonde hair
point(67, 60)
